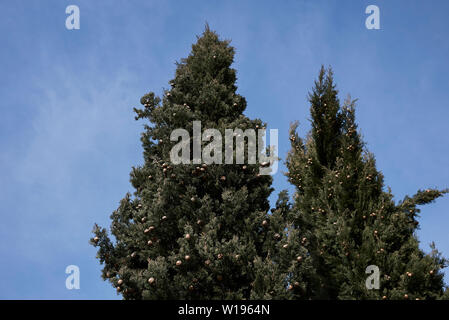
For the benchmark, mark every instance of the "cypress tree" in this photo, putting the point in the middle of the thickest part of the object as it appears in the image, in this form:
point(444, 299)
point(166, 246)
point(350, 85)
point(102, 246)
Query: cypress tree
point(349, 223)
point(190, 230)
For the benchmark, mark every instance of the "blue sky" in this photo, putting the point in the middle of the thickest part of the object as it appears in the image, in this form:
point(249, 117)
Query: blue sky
point(68, 137)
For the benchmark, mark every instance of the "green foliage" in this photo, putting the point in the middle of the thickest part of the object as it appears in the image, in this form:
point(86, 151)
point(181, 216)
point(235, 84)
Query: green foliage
point(197, 231)
point(189, 231)
point(348, 219)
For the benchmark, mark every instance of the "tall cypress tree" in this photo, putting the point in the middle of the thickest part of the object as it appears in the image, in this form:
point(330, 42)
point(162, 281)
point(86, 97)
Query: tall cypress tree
point(347, 220)
point(190, 231)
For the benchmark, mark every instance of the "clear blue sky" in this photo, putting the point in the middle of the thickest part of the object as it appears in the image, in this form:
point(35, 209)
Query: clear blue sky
point(68, 137)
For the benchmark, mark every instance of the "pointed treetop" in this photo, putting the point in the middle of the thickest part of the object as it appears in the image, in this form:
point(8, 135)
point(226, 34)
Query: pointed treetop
point(205, 80)
point(326, 117)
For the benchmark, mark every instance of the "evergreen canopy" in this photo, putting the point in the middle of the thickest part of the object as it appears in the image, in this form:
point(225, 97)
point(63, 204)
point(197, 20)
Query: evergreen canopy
point(203, 231)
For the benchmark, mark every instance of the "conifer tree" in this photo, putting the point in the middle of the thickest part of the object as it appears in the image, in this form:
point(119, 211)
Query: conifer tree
point(347, 220)
point(190, 231)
